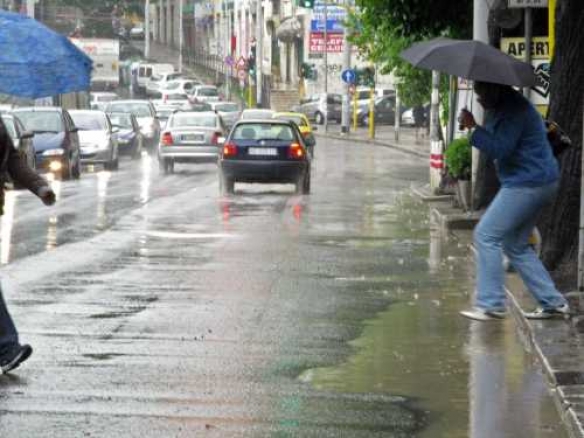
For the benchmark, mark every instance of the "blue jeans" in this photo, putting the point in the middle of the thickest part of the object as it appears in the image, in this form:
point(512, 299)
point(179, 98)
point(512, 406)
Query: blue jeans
point(506, 227)
point(8, 333)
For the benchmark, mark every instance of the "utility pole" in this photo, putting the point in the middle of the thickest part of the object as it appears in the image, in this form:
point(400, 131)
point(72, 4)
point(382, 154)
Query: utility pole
point(326, 64)
point(345, 115)
point(180, 36)
point(436, 147)
point(259, 52)
point(528, 21)
point(227, 16)
point(147, 30)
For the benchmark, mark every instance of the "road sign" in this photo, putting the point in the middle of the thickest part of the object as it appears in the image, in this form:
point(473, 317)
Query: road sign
point(528, 3)
point(229, 60)
point(240, 64)
point(241, 74)
point(348, 76)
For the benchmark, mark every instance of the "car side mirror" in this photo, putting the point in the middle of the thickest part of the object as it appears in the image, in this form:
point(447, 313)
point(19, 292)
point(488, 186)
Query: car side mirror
point(26, 134)
point(221, 141)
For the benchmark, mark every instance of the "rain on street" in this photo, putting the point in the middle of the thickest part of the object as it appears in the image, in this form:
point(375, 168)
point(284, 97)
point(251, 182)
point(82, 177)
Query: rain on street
point(159, 308)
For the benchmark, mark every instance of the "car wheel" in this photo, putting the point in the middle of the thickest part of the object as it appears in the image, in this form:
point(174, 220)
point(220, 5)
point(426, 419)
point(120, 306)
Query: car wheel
point(306, 184)
point(67, 169)
point(227, 185)
point(319, 118)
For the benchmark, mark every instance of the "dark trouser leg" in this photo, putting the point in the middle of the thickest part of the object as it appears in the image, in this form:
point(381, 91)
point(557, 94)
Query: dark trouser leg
point(8, 333)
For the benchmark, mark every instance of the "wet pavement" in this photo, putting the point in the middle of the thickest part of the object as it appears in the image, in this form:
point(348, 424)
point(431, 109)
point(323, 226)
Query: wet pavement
point(159, 308)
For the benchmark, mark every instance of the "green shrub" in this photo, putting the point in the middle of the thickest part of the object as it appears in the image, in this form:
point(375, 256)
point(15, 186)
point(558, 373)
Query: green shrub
point(458, 159)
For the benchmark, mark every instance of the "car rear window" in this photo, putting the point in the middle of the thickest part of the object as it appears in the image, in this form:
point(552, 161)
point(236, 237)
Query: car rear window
point(227, 107)
point(89, 122)
point(261, 131)
point(203, 120)
point(138, 109)
point(208, 92)
point(176, 97)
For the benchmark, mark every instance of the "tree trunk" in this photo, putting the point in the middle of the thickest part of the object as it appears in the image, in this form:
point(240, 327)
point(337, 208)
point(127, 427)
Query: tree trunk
point(559, 223)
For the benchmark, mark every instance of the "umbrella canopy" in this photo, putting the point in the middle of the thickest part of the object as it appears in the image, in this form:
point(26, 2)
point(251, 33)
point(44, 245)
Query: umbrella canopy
point(471, 60)
point(38, 62)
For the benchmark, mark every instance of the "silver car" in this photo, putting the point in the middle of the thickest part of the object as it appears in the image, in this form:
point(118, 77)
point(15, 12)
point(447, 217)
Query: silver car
point(229, 112)
point(97, 137)
point(190, 137)
point(316, 106)
point(204, 93)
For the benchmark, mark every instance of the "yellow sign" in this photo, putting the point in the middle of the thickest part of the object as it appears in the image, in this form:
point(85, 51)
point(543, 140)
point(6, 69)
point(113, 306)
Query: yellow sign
point(540, 47)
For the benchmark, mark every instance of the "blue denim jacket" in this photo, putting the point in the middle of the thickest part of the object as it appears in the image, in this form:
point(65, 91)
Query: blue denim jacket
point(516, 138)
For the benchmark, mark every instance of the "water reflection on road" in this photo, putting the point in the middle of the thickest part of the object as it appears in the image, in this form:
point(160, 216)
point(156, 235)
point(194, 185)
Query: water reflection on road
point(471, 379)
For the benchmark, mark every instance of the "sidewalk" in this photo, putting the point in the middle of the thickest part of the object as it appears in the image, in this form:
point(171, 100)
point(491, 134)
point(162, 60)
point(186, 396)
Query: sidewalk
point(558, 344)
point(384, 136)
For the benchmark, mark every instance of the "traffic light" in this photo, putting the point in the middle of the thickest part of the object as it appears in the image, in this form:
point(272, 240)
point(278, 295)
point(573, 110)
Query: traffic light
point(366, 77)
point(308, 71)
point(309, 4)
point(251, 63)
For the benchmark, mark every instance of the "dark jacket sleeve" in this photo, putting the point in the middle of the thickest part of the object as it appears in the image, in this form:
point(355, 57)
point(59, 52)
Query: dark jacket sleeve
point(17, 168)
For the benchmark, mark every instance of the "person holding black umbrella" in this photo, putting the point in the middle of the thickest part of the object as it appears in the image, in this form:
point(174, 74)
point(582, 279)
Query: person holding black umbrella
point(514, 135)
point(12, 353)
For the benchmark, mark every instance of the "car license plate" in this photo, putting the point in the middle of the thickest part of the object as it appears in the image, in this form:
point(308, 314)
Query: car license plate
point(192, 137)
point(272, 152)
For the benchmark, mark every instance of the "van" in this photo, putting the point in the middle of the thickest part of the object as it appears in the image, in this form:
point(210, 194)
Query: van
point(147, 70)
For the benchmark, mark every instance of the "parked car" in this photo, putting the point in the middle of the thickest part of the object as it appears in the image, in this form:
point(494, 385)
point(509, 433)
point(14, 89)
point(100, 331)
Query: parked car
point(146, 116)
point(21, 138)
point(384, 111)
point(229, 112)
point(130, 139)
point(137, 32)
point(158, 81)
point(303, 126)
point(99, 100)
point(190, 137)
point(179, 86)
point(97, 137)
point(256, 114)
point(265, 151)
point(315, 107)
point(204, 93)
point(407, 117)
point(56, 140)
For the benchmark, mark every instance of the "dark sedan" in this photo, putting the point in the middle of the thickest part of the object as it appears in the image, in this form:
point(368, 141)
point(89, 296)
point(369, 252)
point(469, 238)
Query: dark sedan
point(130, 139)
point(21, 138)
point(56, 140)
point(384, 111)
point(265, 151)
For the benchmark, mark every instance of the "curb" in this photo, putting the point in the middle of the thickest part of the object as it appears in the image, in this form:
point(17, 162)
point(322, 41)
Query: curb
point(375, 143)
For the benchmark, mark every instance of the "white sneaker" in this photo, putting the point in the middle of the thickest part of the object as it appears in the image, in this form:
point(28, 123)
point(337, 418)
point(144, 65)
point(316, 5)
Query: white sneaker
point(556, 312)
point(479, 314)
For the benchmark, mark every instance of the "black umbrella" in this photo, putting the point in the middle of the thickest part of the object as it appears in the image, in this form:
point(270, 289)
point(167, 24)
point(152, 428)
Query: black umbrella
point(471, 60)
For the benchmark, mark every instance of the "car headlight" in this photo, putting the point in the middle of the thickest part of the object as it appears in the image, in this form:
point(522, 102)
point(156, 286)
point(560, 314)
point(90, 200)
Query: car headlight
point(53, 152)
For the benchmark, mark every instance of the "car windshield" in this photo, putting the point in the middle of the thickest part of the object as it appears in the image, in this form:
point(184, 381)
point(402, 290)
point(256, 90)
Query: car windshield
point(137, 108)
point(185, 120)
point(208, 92)
point(257, 114)
point(296, 119)
point(89, 122)
point(9, 123)
point(123, 120)
point(227, 107)
point(41, 121)
point(263, 131)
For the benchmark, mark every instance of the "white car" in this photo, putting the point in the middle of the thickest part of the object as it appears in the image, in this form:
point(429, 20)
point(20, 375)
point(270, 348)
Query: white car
point(179, 86)
point(204, 93)
point(137, 32)
point(175, 100)
point(98, 139)
point(99, 100)
point(407, 118)
point(158, 81)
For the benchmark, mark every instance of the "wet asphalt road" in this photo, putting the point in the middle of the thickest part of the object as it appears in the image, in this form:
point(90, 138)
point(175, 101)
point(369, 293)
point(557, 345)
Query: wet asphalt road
point(158, 308)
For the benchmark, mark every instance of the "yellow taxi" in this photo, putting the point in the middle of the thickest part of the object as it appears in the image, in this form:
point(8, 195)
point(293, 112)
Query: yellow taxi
point(303, 124)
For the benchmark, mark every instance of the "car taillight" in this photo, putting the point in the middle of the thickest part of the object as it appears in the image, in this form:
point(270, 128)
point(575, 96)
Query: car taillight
point(296, 151)
point(229, 150)
point(167, 139)
point(215, 138)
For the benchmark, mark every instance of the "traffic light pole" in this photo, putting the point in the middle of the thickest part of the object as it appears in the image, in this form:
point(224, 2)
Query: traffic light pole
point(259, 51)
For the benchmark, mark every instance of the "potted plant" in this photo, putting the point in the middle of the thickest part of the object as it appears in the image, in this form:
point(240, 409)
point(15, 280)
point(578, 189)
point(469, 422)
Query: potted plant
point(458, 160)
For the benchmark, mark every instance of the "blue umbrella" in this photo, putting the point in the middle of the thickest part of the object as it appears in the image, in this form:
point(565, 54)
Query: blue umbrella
point(38, 62)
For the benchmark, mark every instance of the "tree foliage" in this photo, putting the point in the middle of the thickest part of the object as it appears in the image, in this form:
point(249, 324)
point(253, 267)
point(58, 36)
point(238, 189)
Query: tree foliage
point(383, 29)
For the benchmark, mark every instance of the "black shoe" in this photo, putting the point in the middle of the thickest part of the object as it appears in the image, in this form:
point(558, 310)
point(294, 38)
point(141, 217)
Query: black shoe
point(15, 358)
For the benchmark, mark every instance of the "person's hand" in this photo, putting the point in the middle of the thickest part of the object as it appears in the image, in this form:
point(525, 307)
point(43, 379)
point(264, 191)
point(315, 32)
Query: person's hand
point(466, 120)
point(47, 195)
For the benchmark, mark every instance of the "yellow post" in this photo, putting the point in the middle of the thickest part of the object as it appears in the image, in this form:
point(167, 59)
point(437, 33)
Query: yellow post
point(249, 94)
point(552, 26)
point(372, 113)
point(355, 110)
